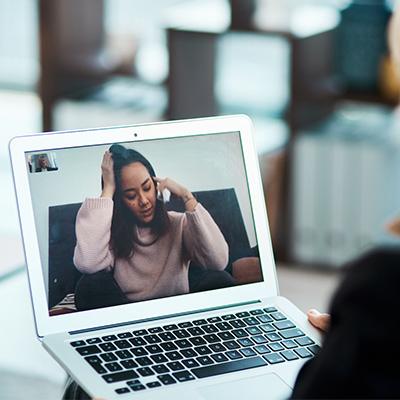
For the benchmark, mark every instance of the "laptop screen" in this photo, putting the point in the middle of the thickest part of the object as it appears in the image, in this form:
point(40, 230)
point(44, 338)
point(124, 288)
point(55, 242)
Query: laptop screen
point(129, 222)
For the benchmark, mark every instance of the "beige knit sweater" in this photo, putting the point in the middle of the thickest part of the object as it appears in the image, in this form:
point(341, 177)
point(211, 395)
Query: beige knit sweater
point(158, 268)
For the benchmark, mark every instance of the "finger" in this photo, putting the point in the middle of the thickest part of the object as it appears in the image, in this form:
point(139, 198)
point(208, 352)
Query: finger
point(319, 320)
point(157, 179)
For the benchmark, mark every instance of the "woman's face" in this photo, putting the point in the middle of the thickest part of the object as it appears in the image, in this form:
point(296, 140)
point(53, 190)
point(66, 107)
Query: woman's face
point(138, 191)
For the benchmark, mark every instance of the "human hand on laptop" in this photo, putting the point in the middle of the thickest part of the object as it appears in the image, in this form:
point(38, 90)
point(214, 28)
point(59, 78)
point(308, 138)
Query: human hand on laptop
point(319, 320)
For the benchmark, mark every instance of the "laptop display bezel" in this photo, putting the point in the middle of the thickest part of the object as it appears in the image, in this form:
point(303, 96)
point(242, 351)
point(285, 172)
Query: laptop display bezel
point(46, 324)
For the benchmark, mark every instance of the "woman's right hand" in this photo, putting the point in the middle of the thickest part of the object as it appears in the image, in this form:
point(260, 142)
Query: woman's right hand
point(319, 320)
point(107, 171)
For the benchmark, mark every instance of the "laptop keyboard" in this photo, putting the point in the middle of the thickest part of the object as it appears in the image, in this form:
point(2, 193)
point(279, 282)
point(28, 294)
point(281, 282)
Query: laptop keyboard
point(165, 355)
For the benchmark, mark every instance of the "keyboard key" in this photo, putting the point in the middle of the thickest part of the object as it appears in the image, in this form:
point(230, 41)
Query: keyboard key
point(277, 316)
point(196, 331)
point(122, 390)
point(124, 335)
point(243, 314)
point(175, 366)
point(259, 339)
point(134, 382)
point(200, 322)
point(109, 338)
point(107, 346)
point(238, 323)
point(289, 355)
point(274, 358)
point(166, 379)
point(203, 350)
point(174, 355)
point(245, 342)
point(219, 357)
point(159, 358)
point(217, 347)
point(151, 339)
point(291, 333)
point(136, 388)
point(167, 336)
point(128, 364)
point(304, 341)
point(272, 337)
point(204, 360)
point(314, 349)
point(189, 353)
point(108, 357)
point(225, 336)
point(265, 319)
point(123, 354)
point(250, 321)
point(276, 346)
point(270, 309)
point(113, 366)
point(224, 326)
point(157, 329)
point(140, 332)
point(154, 349)
point(152, 385)
point(145, 371)
point(139, 351)
point(213, 320)
point(181, 333)
point(253, 330)
point(120, 376)
point(93, 340)
point(190, 363)
point(144, 361)
point(183, 376)
point(138, 341)
point(78, 343)
point(233, 354)
point(232, 345)
point(185, 325)
point(302, 352)
point(212, 338)
point(168, 346)
point(256, 312)
point(160, 369)
point(286, 324)
point(210, 328)
point(239, 333)
point(262, 349)
point(95, 362)
point(228, 317)
point(289, 344)
point(248, 352)
point(170, 327)
point(88, 350)
point(183, 343)
point(223, 368)
point(122, 344)
point(267, 328)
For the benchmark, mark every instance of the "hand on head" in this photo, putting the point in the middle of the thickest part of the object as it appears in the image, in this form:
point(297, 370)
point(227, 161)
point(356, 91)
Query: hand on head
point(320, 320)
point(107, 173)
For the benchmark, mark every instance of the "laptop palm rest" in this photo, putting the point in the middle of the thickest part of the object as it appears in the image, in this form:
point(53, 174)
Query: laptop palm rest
point(268, 386)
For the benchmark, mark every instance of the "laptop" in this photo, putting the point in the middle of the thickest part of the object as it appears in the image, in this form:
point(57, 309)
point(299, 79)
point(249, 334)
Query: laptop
point(215, 326)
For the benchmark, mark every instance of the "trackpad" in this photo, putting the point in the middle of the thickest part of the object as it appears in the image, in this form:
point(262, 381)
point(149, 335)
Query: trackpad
point(268, 386)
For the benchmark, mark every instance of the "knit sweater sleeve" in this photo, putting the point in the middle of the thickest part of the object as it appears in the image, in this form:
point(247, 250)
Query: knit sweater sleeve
point(93, 230)
point(203, 239)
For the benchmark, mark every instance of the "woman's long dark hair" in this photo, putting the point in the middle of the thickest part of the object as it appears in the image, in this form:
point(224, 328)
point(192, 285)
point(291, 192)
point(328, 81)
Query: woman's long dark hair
point(123, 226)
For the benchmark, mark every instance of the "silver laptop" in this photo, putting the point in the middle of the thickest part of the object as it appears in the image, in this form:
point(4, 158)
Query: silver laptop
point(216, 325)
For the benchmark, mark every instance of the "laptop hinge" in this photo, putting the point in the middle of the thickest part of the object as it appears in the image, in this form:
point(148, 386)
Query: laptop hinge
point(98, 328)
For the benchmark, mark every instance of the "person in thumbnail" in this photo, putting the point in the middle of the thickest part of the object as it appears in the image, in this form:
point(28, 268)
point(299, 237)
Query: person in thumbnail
point(128, 230)
point(43, 164)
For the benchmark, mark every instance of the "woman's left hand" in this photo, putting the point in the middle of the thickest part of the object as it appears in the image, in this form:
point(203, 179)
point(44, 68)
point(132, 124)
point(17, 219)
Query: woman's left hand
point(178, 190)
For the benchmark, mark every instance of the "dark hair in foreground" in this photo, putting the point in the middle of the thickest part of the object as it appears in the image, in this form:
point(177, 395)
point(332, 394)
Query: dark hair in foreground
point(123, 226)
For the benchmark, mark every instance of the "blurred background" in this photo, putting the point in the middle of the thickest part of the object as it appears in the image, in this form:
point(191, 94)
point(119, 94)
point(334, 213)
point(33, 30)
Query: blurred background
point(314, 75)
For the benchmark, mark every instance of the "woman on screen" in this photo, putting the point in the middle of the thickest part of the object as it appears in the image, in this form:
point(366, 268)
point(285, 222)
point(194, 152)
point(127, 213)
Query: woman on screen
point(128, 231)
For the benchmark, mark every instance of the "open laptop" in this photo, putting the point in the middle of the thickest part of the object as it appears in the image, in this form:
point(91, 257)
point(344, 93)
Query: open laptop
point(230, 339)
